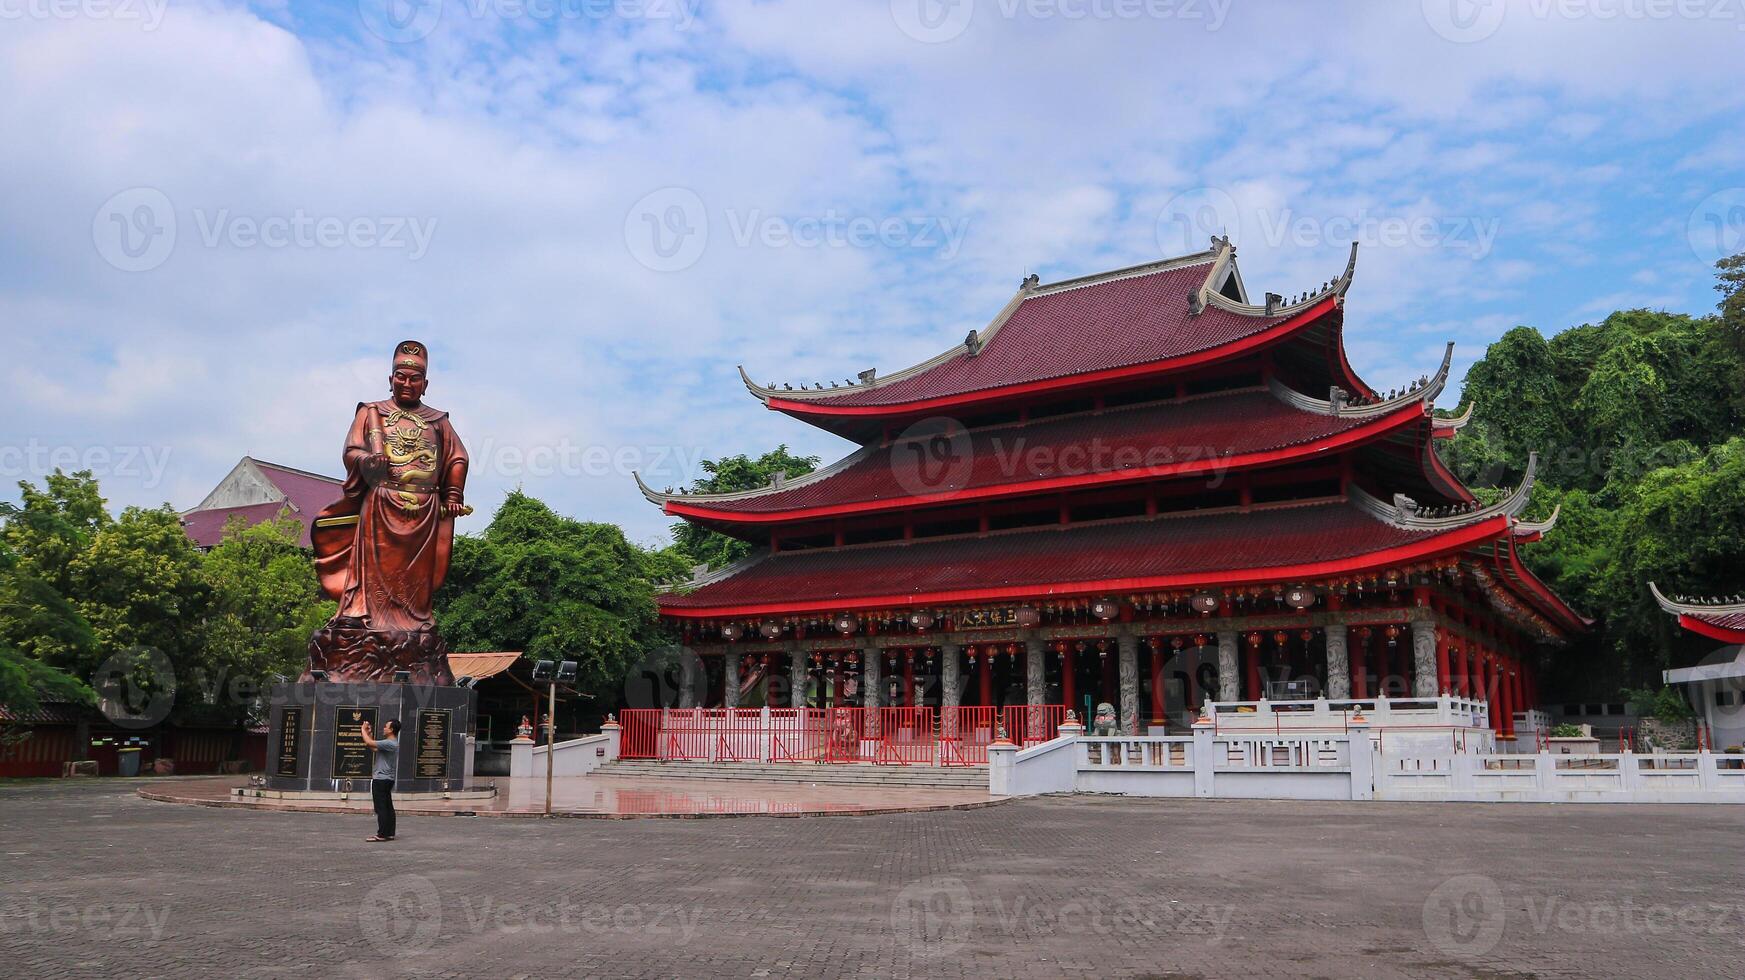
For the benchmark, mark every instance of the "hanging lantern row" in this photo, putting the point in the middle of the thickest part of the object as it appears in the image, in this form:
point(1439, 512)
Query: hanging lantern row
point(1104, 609)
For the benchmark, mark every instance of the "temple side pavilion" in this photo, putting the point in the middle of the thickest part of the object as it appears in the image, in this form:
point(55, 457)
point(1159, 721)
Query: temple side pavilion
point(1138, 487)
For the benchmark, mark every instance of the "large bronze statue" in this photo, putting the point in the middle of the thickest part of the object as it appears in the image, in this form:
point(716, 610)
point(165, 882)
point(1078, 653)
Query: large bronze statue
point(382, 550)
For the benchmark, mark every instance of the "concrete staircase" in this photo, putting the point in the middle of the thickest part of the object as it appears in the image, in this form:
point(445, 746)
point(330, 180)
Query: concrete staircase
point(972, 778)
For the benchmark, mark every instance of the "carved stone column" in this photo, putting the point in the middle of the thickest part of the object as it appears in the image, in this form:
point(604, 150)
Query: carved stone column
point(798, 678)
point(1127, 648)
point(1423, 659)
point(1338, 662)
point(872, 691)
point(951, 675)
point(1229, 671)
point(730, 679)
point(1035, 679)
point(1229, 678)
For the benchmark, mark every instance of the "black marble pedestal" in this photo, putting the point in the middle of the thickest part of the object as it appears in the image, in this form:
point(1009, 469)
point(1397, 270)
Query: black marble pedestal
point(313, 743)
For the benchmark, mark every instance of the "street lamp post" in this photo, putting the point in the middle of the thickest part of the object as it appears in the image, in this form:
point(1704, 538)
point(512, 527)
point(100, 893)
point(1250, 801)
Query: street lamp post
point(554, 672)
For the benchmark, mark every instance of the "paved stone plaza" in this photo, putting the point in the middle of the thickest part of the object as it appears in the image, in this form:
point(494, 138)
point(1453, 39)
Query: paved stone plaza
point(100, 882)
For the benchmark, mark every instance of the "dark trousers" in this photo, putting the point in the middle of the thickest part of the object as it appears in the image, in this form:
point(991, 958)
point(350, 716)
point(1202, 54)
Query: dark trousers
point(382, 794)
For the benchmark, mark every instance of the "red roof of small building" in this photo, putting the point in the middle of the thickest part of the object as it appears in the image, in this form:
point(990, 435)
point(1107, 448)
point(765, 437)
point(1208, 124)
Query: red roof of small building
point(1210, 433)
point(302, 496)
point(1172, 551)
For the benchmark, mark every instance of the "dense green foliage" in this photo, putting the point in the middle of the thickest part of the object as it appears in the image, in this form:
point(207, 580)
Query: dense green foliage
point(731, 475)
point(556, 587)
point(1640, 427)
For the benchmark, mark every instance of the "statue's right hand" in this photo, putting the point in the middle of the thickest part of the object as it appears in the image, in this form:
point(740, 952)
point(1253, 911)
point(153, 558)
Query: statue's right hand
point(375, 466)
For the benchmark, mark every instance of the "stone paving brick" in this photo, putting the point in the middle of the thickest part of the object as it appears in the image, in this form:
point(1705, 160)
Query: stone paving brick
point(97, 882)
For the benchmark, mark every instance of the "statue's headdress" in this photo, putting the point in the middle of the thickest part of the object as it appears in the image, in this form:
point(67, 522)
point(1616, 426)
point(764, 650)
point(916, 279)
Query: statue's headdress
point(411, 353)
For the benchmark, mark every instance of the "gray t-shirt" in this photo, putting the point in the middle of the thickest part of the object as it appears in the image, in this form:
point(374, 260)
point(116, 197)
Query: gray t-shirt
point(387, 757)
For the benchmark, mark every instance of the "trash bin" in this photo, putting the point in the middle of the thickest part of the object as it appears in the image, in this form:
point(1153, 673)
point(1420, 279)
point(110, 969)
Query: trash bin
point(127, 761)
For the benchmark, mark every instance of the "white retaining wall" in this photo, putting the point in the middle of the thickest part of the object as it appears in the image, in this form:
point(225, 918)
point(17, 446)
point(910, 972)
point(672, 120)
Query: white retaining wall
point(1347, 766)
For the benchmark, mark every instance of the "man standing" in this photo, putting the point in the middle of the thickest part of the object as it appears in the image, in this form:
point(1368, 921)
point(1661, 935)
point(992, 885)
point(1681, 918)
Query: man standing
point(382, 778)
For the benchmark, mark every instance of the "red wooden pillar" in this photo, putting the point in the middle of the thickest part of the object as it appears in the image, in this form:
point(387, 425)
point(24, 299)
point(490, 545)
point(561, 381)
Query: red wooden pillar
point(1068, 688)
point(985, 675)
point(1157, 683)
point(1359, 654)
point(1251, 660)
point(909, 681)
point(1462, 674)
point(836, 689)
point(1444, 671)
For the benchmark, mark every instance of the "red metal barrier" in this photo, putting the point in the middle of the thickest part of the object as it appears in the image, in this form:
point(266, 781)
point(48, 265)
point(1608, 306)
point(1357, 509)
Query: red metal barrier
point(796, 734)
point(906, 736)
point(641, 727)
point(964, 734)
point(1033, 724)
point(739, 735)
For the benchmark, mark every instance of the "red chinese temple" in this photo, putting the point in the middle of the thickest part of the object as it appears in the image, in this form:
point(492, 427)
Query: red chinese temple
point(1138, 487)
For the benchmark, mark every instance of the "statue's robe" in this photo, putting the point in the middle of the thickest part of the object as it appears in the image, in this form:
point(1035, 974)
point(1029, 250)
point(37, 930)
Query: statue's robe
point(385, 568)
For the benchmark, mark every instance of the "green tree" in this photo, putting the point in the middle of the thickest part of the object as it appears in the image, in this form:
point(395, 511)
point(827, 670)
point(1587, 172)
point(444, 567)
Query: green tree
point(731, 475)
point(139, 586)
point(555, 587)
point(264, 602)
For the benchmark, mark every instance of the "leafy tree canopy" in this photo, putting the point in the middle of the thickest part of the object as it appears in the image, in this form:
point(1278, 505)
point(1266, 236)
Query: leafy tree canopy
point(730, 475)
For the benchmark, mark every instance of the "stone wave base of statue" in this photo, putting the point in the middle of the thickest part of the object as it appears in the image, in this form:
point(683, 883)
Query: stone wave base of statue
point(355, 654)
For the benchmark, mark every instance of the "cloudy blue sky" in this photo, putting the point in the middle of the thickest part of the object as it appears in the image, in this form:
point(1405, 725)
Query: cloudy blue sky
point(220, 217)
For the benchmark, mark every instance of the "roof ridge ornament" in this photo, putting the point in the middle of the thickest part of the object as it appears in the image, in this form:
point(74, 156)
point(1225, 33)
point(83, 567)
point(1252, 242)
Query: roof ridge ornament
point(1697, 605)
point(1406, 513)
point(973, 343)
point(1340, 403)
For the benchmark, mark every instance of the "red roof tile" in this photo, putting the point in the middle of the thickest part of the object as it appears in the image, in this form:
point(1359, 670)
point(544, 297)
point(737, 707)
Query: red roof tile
point(305, 496)
point(1140, 439)
point(1106, 324)
point(1062, 560)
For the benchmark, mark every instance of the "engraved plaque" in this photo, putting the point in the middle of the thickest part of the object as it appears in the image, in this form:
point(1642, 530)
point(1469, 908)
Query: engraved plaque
point(432, 758)
point(986, 619)
point(352, 759)
point(290, 741)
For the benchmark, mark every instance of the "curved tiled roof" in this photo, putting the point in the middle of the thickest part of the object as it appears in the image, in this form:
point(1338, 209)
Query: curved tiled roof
point(1124, 443)
point(1152, 313)
point(1322, 538)
point(1723, 617)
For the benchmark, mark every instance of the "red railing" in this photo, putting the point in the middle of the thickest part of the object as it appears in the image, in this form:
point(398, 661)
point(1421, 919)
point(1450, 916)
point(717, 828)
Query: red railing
point(903, 736)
